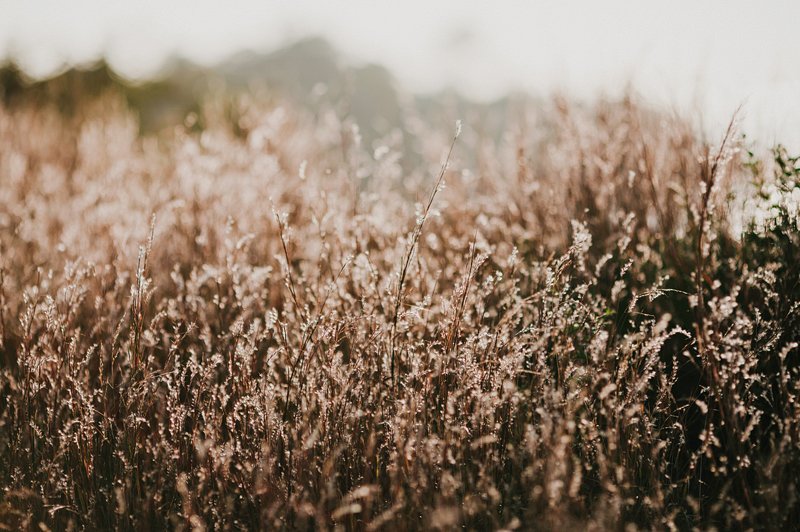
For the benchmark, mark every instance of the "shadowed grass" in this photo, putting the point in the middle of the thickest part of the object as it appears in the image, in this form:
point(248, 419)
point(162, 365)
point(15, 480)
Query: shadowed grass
point(592, 327)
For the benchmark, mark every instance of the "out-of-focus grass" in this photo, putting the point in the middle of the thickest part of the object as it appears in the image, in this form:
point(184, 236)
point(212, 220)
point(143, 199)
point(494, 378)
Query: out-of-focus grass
point(266, 325)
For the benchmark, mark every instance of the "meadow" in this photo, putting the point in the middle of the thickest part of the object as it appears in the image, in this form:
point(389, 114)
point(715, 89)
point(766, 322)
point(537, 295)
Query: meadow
point(258, 320)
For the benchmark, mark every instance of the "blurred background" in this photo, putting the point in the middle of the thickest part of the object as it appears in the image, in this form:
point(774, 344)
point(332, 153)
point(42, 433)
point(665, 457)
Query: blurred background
point(702, 59)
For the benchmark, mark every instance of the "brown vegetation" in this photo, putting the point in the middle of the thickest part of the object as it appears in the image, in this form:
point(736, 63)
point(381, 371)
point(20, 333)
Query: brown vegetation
point(264, 324)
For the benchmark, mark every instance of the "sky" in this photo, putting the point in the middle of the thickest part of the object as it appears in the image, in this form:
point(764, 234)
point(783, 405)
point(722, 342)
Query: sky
point(701, 57)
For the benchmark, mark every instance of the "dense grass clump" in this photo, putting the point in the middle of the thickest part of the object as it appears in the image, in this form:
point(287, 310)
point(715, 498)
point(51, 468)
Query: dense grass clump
point(264, 324)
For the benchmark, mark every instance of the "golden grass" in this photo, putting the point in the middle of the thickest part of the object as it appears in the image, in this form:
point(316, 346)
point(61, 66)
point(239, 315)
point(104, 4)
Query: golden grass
point(270, 326)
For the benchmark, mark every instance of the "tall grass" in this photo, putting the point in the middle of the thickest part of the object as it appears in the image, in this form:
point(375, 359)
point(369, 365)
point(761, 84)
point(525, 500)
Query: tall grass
point(266, 325)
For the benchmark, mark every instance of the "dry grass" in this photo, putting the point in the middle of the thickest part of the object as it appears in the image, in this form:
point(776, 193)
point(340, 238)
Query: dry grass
point(255, 327)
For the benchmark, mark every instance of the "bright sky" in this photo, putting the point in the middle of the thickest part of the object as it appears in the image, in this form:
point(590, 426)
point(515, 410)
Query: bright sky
point(707, 56)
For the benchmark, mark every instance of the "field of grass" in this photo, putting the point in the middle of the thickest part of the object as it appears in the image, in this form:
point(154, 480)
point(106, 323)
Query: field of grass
point(589, 322)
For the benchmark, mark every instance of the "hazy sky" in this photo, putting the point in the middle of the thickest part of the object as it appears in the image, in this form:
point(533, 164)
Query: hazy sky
point(705, 56)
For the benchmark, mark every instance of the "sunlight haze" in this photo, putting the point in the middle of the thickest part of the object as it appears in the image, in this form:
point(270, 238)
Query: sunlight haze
point(703, 57)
